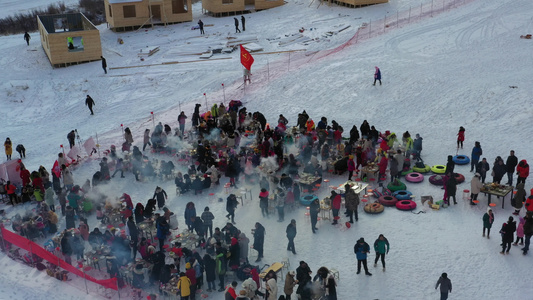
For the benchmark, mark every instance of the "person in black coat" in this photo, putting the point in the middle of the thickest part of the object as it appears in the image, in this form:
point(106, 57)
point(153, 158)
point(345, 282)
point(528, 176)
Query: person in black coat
point(314, 209)
point(498, 170)
point(259, 240)
point(451, 188)
point(450, 165)
point(303, 275)
point(510, 165)
point(507, 233)
point(21, 150)
point(482, 167)
point(89, 102)
point(243, 21)
point(160, 195)
point(354, 134)
point(237, 30)
point(201, 26)
point(291, 234)
point(104, 64)
point(231, 205)
point(66, 249)
point(210, 274)
point(134, 234)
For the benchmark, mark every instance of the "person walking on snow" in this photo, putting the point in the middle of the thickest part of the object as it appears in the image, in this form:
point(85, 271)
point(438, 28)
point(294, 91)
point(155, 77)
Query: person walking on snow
point(377, 76)
point(381, 246)
point(243, 21)
point(291, 234)
point(237, 25)
point(361, 249)
point(104, 64)
point(90, 102)
point(445, 286)
point(27, 37)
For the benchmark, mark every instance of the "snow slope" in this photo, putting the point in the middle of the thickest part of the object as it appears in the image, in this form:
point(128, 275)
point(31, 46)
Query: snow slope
point(439, 72)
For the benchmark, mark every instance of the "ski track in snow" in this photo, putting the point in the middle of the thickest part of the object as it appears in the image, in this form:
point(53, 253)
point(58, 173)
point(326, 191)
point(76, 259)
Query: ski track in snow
point(453, 69)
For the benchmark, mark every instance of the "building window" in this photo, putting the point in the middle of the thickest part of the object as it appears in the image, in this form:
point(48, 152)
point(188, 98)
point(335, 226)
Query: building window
point(227, 1)
point(179, 6)
point(110, 11)
point(129, 11)
point(75, 44)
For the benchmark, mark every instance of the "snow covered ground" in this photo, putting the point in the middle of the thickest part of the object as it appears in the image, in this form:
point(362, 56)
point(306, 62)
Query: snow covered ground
point(439, 72)
point(13, 7)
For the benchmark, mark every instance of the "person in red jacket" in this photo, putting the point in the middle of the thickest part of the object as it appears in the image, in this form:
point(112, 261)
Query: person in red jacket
point(460, 137)
point(529, 202)
point(335, 206)
point(383, 162)
point(11, 192)
point(523, 171)
point(191, 274)
point(231, 294)
point(25, 176)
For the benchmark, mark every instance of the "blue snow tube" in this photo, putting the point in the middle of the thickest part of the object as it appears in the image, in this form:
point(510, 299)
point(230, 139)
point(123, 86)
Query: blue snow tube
point(402, 195)
point(461, 159)
point(307, 199)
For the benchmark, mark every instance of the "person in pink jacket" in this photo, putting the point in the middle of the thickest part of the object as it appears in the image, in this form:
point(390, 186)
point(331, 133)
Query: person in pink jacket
point(520, 232)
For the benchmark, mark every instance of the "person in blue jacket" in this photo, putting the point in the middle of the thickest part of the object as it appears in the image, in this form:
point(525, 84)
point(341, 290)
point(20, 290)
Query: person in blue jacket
point(361, 250)
point(162, 232)
point(476, 154)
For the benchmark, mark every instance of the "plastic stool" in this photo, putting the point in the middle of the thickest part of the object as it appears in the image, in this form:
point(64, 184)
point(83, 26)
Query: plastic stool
point(492, 204)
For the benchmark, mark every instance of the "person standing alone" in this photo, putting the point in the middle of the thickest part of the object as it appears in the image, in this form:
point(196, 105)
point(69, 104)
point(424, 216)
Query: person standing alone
point(201, 25)
point(377, 76)
point(104, 64)
point(237, 25)
point(445, 286)
point(90, 102)
point(381, 246)
point(243, 21)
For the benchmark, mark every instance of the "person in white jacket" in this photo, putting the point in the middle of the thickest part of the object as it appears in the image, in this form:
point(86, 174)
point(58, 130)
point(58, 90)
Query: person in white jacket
point(475, 187)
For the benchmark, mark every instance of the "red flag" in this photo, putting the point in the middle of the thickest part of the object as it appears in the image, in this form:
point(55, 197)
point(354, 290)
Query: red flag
point(56, 169)
point(246, 58)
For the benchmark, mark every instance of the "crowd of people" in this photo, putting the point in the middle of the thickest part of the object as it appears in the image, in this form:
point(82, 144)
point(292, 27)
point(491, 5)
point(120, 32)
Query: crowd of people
point(240, 145)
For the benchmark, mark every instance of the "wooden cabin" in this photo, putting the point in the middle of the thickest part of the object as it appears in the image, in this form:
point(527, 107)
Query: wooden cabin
point(69, 39)
point(219, 8)
point(132, 14)
point(358, 3)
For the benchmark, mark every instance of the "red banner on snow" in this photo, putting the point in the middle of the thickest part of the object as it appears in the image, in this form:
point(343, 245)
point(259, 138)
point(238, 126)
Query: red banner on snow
point(36, 249)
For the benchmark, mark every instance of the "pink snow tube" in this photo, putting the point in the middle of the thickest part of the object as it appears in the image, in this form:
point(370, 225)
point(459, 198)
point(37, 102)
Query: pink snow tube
point(406, 205)
point(387, 200)
point(414, 177)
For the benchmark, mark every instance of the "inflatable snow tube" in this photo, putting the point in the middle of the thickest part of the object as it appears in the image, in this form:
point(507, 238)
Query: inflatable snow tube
point(306, 200)
point(459, 178)
point(394, 188)
point(402, 195)
point(387, 200)
point(461, 159)
point(374, 208)
point(438, 169)
point(436, 180)
point(405, 173)
point(414, 177)
point(406, 205)
point(425, 169)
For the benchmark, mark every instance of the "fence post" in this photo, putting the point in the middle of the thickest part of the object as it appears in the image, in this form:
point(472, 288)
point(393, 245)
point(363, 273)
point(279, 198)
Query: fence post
point(409, 19)
point(85, 280)
point(385, 24)
point(31, 256)
point(397, 19)
point(289, 66)
point(420, 10)
point(431, 8)
point(118, 289)
point(369, 28)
